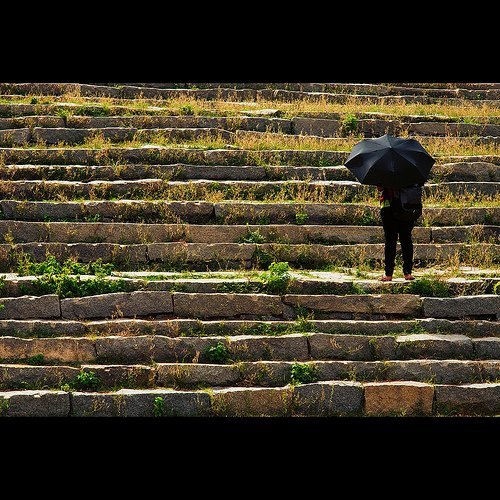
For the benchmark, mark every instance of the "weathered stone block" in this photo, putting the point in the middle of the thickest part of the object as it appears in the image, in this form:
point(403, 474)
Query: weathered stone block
point(328, 399)
point(266, 373)
point(200, 251)
point(490, 370)
point(252, 402)
point(14, 377)
point(282, 348)
point(226, 305)
point(140, 303)
point(403, 304)
point(137, 349)
point(45, 306)
point(14, 137)
point(135, 376)
point(41, 328)
point(437, 372)
point(345, 347)
point(471, 399)
point(398, 398)
point(434, 346)
point(34, 404)
point(459, 307)
point(141, 403)
point(316, 126)
point(193, 374)
point(487, 348)
point(61, 349)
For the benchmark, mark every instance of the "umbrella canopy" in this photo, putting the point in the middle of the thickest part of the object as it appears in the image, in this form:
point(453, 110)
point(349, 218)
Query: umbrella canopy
point(390, 162)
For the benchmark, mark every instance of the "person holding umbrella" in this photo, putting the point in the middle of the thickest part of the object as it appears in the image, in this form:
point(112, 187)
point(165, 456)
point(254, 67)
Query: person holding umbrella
point(393, 227)
point(398, 167)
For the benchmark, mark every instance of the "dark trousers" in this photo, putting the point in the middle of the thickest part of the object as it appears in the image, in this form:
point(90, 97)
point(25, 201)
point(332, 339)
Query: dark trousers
point(392, 229)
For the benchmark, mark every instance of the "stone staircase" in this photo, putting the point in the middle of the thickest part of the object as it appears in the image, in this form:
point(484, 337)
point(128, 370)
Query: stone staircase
point(145, 231)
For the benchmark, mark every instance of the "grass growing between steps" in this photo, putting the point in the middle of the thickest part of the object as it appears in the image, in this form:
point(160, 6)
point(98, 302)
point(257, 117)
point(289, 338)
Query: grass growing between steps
point(300, 191)
point(466, 112)
point(438, 146)
point(64, 278)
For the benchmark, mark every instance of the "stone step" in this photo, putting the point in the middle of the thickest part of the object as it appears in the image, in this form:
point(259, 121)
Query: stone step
point(219, 256)
point(249, 306)
point(228, 327)
point(153, 154)
point(327, 283)
point(474, 171)
point(231, 213)
point(179, 171)
point(324, 131)
point(131, 92)
point(129, 233)
point(245, 373)
point(332, 137)
point(72, 136)
point(330, 398)
point(468, 91)
point(368, 128)
point(237, 348)
point(376, 126)
point(169, 155)
point(329, 191)
point(310, 125)
point(95, 115)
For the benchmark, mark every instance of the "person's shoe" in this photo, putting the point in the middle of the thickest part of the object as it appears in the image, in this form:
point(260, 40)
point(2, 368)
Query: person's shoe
point(409, 277)
point(385, 278)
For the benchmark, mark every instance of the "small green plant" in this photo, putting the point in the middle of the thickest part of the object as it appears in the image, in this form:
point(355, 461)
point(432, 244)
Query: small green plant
point(86, 381)
point(277, 278)
point(37, 359)
point(67, 286)
point(26, 266)
point(34, 100)
point(218, 353)
point(301, 217)
point(349, 124)
point(357, 289)
point(496, 289)
point(303, 373)
point(428, 287)
point(187, 109)
point(303, 324)
point(158, 407)
point(252, 237)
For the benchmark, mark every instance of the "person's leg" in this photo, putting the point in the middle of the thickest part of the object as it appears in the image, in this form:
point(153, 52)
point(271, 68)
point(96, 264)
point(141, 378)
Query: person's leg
point(404, 230)
point(391, 239)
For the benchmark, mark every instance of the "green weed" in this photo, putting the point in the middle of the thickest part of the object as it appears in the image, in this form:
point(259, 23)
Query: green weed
point(73, 286)
point(187, 109)
point(428, 287)
point(277, 278)
point(26, 266)
point(301, 217)
point(252, 237)
point(37, 359)
point(303, 373)
point(218, 353)
point(348, 124)
point(158, 407)
point(86, 381)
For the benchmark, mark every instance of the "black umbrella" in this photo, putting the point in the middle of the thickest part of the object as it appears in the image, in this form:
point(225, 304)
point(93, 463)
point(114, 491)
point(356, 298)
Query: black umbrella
point(390, 162)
